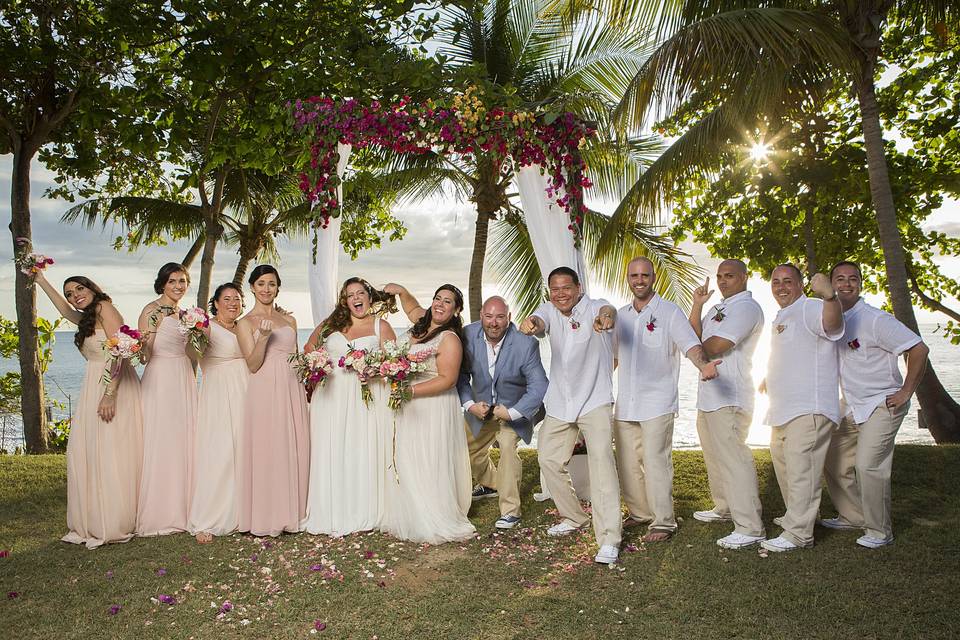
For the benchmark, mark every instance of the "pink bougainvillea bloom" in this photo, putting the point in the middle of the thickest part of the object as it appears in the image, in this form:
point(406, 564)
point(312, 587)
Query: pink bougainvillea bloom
point(12, 594)
point(165, 599)
point(319, 625)
point(316, 567)
point(226, 606)
point(114, 610)
point(4, 553)
point(161, 572)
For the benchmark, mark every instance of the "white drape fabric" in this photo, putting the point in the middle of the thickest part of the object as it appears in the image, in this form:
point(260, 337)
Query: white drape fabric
point(323, 273)
point(547, 223)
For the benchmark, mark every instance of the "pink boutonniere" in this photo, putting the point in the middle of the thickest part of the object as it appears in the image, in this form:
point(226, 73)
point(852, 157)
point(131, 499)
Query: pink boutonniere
point(652, 324)
point(719, 315)
point(780, 328)
point(574, 324)
point(854, 344)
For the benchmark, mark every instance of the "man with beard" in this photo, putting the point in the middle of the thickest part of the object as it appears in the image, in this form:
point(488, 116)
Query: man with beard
point(860, 458)
point(651, 334)
point(502, 397)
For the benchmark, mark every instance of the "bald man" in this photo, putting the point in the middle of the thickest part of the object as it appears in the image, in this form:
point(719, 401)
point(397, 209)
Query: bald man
point(502, 397)
point(729, 331)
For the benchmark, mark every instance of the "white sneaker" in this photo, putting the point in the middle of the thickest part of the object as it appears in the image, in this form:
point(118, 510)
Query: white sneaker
point(739, 541)
point(837, 523)
point(710, 516)
point(561, 529)
point(874, 543)
point(778, 544)
point(608, 554)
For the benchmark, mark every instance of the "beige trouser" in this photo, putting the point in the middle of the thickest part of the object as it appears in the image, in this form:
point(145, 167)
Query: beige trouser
point(858, 468)
point(645, 465)
point(798, 449)
point(555, 448)
point(505, 477)
point(731, 471)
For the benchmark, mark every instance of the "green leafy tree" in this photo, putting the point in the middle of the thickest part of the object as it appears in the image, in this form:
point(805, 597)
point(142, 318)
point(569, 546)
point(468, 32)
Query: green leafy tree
point(742, 64)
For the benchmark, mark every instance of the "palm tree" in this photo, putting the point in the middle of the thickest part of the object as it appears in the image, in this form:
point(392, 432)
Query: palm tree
point(739, 63)
point(555, 57)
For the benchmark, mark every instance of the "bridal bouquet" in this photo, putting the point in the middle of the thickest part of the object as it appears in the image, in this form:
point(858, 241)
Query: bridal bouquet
point(366, 364)
point(398, 367)
point(30, 264)
point(125, 344)
point(192, 323)
point(312, 368)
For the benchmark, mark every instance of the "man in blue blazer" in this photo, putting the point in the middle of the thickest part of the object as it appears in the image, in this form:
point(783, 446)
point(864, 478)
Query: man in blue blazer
point(502, 395)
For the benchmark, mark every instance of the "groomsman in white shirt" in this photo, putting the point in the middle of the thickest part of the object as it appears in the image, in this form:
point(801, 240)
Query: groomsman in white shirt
point(803, 380)
point(876, 399)
point(578, 400)
point(729, 331)
point(651, 334)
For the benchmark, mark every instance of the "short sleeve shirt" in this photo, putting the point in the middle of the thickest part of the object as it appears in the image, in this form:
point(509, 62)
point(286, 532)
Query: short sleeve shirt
point(871, 343)
point(738, 319)
point(581, 360)
point(803, 374)
point(648, 346)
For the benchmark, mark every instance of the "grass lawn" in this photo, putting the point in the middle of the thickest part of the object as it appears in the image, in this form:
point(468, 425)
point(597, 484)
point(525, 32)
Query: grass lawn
point(519, 584)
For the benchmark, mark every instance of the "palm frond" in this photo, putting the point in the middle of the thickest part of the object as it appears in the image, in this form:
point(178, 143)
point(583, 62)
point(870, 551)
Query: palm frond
point(513, 260)
point(147, 218)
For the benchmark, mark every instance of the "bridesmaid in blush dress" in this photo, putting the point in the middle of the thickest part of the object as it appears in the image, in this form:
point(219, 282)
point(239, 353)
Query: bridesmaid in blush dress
point(106, 437)
point(169, 410)
point(275, 449)
point(214, 510)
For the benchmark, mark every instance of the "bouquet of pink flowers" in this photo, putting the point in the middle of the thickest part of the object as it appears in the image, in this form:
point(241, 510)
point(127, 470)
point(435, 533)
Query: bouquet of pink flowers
point(30, 264)
point(366, 364)
point(192, 323)
point(312, 368)
point(398, 367)
point(125, 344)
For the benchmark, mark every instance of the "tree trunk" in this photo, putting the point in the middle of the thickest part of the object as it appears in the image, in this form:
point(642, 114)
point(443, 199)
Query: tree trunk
point(193, 251)
point(241, 271)
point(212, 232)
point(31, 380)
point(810, 241)
point(938, 411)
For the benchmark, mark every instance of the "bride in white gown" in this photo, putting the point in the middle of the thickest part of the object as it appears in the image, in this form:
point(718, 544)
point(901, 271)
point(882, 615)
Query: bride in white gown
point(347, 456)
point(427, 494)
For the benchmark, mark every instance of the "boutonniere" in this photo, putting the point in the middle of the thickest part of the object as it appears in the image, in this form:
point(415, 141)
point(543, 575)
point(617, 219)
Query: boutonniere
point(652, 324)
point(854, 344)
point(719, 315)
point(780, 328)
point(574, 323)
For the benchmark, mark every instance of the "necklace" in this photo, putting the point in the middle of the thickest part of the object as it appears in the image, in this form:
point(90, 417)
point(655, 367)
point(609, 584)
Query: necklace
point(224, 325)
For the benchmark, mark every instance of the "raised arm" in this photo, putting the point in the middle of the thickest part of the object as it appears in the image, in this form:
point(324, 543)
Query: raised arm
point(408, 303)
point(253, 336)
point(449, 357)
point(700, 297)
point(832, 310)
point(57, 299)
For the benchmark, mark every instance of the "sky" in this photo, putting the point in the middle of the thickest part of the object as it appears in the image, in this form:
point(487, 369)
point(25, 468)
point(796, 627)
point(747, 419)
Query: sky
point(436, 249)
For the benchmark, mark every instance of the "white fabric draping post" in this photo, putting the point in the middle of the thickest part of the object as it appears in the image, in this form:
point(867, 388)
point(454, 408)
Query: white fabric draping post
point(553, 245)
point(547, 223)
point(322, 273)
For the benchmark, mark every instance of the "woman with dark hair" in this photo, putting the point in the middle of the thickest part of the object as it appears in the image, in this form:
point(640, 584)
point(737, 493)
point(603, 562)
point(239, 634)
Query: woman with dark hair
point(169, 409)
point(428, 492)
point(106, 435)
point(346, 455)
point(275, 448)
point(214, 509)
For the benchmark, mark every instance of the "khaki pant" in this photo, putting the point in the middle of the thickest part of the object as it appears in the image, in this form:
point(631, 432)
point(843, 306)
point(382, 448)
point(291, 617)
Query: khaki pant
point(799, 449)
point(858, 469)
point(555, 448)
point(645, 465)
point(505, 478)
point(731, 471)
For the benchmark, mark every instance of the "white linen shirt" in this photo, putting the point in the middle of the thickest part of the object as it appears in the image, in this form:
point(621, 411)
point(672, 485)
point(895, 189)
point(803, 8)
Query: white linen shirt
point(872, 341)
point(581, 360)
point(741, 322)
point(493, 352)
point(803, 374)
point(649, 344)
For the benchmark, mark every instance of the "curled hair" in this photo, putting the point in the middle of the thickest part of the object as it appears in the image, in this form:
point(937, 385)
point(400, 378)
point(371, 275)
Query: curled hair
point(341, 318)
point(219, 291)
point(88, 316)
point(421, 329)
point(164, 274)
point(261, 271)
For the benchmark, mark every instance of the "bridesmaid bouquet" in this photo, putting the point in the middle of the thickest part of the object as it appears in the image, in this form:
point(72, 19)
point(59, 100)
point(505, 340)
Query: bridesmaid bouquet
point(366, 364)
point(125, 344)
point(398, 367)
point(192, 323)
point(30, 264)
point(312, 368)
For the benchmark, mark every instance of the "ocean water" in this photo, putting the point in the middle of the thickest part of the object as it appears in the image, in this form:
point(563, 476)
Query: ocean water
point(65, 376)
